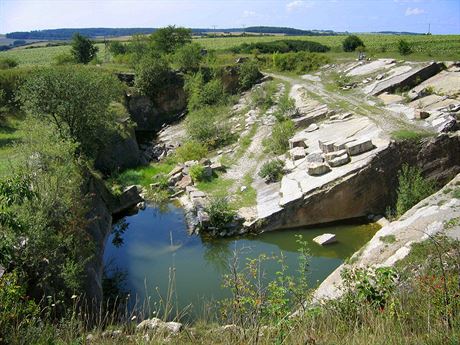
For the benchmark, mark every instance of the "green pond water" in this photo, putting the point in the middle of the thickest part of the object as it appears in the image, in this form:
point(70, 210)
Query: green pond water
point(155, 240)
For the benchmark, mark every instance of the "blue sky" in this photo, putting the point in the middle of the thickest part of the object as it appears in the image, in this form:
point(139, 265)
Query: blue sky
point(339, 15)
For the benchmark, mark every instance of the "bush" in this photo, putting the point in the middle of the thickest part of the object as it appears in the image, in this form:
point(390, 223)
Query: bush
point(220, 213)
point(207, 126)
point(351, 43)
point(278, 143)
point(6, 63)
point(117, 48)
point(412, 188)
point(64, 59)
point(272, 171)
point(248, 74)
point(301, 62)
point(201, 94)
point(280, 46)
point(286, 108)
point(188, 57)
point(198, 173)
point(152, 74)
point(10, 83)
point(190, 151)
point(168, 39)
point(404, 47)
point(263, 96)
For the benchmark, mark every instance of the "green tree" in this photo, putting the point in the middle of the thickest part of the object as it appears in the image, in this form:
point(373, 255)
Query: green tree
point(117, 48)
point(351, 43)
point(248, 74)
point(168, 39)
point(152, 74)
point(76, 101)
point(83, 49)
point(188, 57)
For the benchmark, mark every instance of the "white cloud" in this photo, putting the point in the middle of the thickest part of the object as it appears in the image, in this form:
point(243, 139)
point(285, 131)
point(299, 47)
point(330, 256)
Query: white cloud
point(247, 14)
point(299, 4)
point(414, 11)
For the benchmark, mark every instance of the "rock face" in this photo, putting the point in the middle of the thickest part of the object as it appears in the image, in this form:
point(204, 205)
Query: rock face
point(371, 188)
point(101, 205)
point(151, 112)
point(122, 152)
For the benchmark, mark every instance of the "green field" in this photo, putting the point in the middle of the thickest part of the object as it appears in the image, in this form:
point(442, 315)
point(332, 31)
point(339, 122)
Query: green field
point(436, 47)
point(445, 47)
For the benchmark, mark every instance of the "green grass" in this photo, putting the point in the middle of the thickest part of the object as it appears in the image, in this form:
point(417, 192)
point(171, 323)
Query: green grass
point(216, 187)
point(407, 134)
point(388, 239)
point(141, 176)
point(456, 193)
point(11, 135)
point(248, 197)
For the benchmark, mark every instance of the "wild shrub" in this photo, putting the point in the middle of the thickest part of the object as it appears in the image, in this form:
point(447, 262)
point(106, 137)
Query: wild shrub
point(188, 57)
point(285, 108)
point(197, 173)
point(301, 62)
point(64, 59)
point(352, 42)
point(412, 188)
point(278, 142)
point(248, 74)
point(6, 63)
point(152, 75)
point(168, 39)
point(220, 213)
point(208, 126)
point(10, 83)
point(272, 171)
point(404, 48)
point(280, 46)
point(190, 151)
point(117, 48)
point(263, 96)
point(201, 94)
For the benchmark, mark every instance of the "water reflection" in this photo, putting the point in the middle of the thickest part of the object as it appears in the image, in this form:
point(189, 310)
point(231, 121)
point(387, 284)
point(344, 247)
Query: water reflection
point(146, 245)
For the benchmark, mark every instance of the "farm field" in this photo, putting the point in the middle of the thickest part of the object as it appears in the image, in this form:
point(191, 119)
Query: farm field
point(433, 47)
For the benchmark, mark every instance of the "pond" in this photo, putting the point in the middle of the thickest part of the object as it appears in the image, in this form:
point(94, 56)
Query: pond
point(146, 245)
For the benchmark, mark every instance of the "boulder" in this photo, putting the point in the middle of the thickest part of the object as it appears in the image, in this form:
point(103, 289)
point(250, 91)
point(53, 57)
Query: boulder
point(155, 324)
point(128, 199)
point(325, 239)
point(175, 178)
point(207, 172)
point(184, 182)
point(203, 218)
point(317, 169)
point(359, 146)
point(217, 166)
point(421, 114)
point(177, 169)
point(297, 153)
point(313, 127)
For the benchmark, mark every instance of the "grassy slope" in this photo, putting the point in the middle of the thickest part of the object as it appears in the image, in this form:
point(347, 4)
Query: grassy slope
point(10, 135)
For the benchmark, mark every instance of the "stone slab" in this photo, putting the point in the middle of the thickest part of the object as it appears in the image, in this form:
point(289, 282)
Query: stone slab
point(325, 239)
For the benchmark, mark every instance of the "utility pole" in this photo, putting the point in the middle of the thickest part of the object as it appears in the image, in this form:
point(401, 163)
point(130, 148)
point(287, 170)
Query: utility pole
point(214, 30)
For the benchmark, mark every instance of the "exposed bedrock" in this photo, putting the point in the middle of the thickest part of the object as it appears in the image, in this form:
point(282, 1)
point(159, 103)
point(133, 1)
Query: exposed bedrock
point(371, 188)
point(101, 206)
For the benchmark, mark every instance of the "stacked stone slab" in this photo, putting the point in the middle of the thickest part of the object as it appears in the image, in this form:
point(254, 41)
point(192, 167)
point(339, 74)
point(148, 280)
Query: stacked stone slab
point(359, 146)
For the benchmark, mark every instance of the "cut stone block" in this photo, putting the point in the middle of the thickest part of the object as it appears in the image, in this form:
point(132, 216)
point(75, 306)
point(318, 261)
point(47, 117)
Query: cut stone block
point(326, 146)
point(299, 141)
point(359, 146)
point(325, 239)
point(331, 155)
point(177, 169)
point(217, 166)
point(317, 169)
point(340, 160)
point(340, 144)
point(297, 153)
point(315, 157)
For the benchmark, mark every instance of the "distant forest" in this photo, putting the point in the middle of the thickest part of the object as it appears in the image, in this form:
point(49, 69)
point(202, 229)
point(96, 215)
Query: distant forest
point(66, 34)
